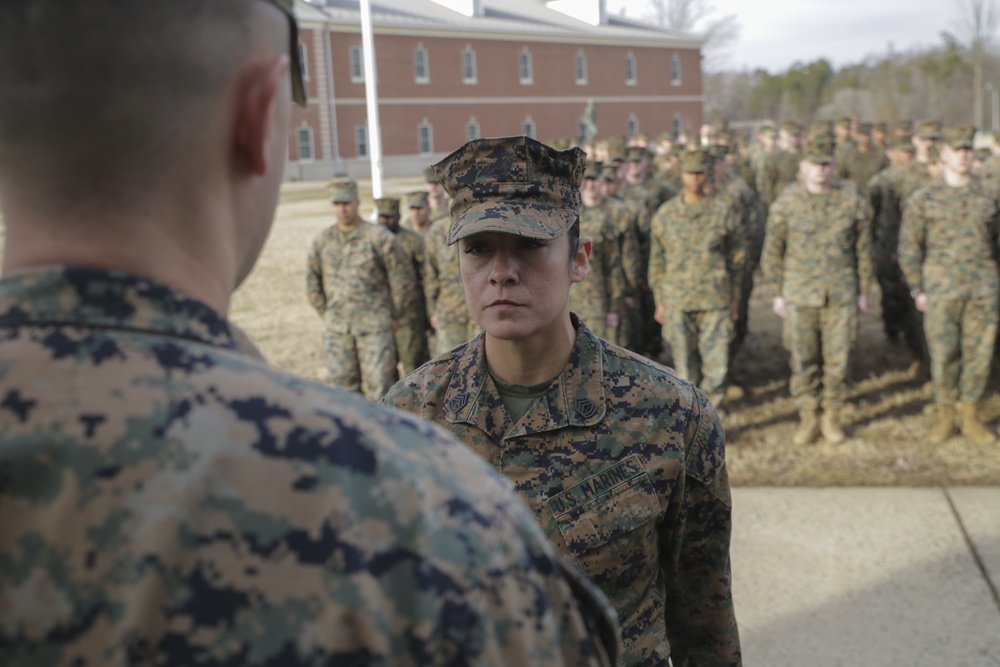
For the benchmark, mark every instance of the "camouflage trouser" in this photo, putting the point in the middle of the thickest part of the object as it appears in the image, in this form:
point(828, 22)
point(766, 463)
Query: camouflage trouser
point(741, 328)
point(899, 315)
point(700, 341)
point(452, 333)
point(651, 331)
point(960, 335)
point(362, 362)
point(820, 340)
point(411, 345)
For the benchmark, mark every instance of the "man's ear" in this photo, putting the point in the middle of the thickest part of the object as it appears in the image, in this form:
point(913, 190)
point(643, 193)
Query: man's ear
point(581, 262)
point(261, 92)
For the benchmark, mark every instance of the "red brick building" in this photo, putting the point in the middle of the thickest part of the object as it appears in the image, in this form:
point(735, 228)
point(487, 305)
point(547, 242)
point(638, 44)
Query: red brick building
point(452, 70)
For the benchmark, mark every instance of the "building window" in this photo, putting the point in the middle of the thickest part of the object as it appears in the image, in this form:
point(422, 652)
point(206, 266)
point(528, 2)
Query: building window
point(633, 125)
point(675, 70)
point(472, 129)
point(581, 69)
point(677, 123)
point(357, 62)
point(468, 65)
point(304, 139)
point(529, 127)
point(421, 73)
point(361, 139)
point(526, 69)
point(425, 138)
point(304, 59)
point(630, 74)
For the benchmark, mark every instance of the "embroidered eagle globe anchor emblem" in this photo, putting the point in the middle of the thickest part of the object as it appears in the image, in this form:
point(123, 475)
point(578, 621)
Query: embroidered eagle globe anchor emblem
point(585, 407)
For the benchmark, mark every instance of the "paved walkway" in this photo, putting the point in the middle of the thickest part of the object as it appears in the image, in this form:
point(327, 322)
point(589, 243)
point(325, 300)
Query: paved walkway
point(867, 576)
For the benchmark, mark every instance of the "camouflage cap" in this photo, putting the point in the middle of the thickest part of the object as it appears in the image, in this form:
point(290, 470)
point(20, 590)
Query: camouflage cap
point(960, 136)
point(637, 154)
point(417, 199)
point(881, 127)
point(983, 154)
point(767, 128)
point(387, 206)
point(929, 130)
point(515, 185)
point(904, 144)
point(791, 126)
point(820, 127)
point(864, 127)
point(820, 149)
point(904, 127)
point(593, 169)
point(344, 190)
point(697, 161)
point(844, 121)
point(610, 172)
point(297, 72)
point(617, 157)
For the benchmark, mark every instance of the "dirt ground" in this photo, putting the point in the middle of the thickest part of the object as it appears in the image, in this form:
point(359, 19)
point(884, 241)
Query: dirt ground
point(887, 413)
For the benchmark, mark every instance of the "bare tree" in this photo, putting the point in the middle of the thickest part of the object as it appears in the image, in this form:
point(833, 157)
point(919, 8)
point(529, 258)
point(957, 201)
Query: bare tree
point(700, 18)
point(976, 22)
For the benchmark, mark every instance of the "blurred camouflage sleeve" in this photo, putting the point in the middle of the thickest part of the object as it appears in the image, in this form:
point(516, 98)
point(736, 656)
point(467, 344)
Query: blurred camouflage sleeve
point(913, 242)
point(432, 270)
point(702, 627)
point(614, 270)
point(772, 260)
point(736, 252)
point(315, 289)
point(864, 246)
point(658, 257)
point(399, 270)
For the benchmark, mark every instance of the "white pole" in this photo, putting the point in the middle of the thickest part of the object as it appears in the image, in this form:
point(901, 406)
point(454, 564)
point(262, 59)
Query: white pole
point(371, 96)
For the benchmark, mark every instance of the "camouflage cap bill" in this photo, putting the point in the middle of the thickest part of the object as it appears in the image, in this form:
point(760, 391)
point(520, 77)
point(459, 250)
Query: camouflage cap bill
point(767, 128)
point(593, 169)
point(820, 149)
point(864, 127)
point(298, 74)
point(514, 185)
point(791, 126)
point(610, 172)
point(417, 199)
point(929, 130)
point(387, 206)
point(344, 190)
point(905, 144)
point(880, 127)
point(960, 136)
point(697, 161)
point(637, 154)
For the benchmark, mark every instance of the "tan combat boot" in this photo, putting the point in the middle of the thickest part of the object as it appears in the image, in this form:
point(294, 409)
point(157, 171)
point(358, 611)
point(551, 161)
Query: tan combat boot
point(830, 426)
point(944, 428)
point(808, 429)
point(972, 428)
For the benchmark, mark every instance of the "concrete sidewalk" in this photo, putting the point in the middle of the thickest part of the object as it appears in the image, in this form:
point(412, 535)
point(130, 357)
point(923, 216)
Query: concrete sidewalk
point(867, 576)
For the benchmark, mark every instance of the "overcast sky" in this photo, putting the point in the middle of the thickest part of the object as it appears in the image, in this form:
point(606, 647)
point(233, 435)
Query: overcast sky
point(777, 33)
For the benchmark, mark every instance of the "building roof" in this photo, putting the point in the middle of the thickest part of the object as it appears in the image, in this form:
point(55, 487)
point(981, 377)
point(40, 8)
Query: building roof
point(521, 19)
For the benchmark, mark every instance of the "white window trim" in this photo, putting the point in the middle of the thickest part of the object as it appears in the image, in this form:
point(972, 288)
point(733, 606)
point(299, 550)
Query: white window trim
point(576, 68)
point(358, 129)
point(473, 123)
point(426, 78)
point(632, 126)
point(675, 64)
point(530, 78)
point(635, 69)
point(534, 127)
point(475, 69)
point(430, 138)
point(351, 50)
point(304, 60)
point(312, 143)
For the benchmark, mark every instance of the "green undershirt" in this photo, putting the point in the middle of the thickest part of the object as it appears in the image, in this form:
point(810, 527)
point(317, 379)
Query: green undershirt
point(518, 398)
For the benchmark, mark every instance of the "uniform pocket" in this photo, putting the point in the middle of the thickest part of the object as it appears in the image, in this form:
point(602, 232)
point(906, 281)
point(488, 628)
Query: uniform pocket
point(607, 520)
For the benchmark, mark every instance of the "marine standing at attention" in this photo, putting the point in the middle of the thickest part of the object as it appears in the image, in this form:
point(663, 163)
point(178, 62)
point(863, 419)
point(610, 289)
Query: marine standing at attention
point(360, 281)
point(166, 497)
point(622, 461)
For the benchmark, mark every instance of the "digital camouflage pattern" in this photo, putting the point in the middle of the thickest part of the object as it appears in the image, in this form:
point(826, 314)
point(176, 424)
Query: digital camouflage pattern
point(624, 217)
point(515, 185)
point(166, 498)
point(779, 169)
point(948, 248)
point(860, 167)
point(411, 336)
point(697, 266)
point(752, 214)
point(443, 291)
point(603, 290)
point(360, 281)
point(624, 466)
point(817, 256)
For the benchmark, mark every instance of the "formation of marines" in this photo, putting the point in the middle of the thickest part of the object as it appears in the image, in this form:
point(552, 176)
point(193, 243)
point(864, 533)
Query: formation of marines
point(681, 227)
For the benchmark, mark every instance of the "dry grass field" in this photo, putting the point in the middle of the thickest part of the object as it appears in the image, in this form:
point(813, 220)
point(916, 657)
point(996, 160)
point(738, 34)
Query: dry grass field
point(887, 420)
